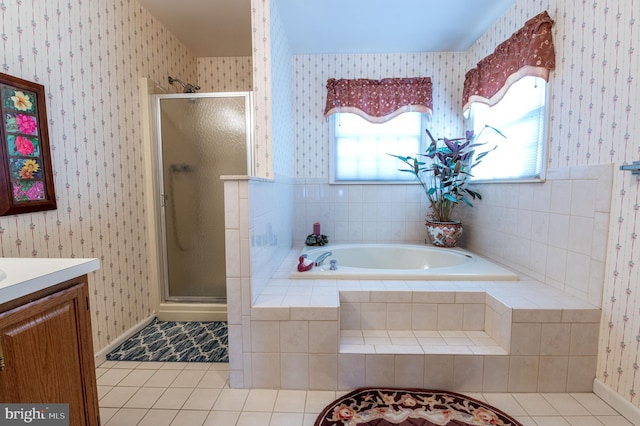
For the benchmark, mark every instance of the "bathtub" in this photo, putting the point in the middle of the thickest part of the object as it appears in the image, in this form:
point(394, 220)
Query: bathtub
point(401, 262)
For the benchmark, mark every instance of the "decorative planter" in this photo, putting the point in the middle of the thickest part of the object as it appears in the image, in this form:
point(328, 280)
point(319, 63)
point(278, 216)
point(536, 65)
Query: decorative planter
point(444, 234)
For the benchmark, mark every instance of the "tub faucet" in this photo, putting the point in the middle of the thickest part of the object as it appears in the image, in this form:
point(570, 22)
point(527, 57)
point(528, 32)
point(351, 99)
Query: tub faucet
point(320, 259)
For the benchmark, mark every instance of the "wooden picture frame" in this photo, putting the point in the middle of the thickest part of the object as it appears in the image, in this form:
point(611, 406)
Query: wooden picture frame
point(26, 175)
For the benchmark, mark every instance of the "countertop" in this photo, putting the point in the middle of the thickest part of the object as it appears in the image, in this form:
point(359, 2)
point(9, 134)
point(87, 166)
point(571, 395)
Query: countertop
point(27, 275)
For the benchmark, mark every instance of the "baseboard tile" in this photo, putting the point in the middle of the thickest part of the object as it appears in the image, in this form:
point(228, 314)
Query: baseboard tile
point(101, 355)
point(615, 400)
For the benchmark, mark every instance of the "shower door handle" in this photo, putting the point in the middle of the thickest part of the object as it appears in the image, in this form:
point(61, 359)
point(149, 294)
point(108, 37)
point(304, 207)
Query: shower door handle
point(163, 200)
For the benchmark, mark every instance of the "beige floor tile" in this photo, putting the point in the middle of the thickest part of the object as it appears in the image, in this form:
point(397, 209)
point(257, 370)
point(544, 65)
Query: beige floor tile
point(173, 398)
point(162, 378)
point(201, 399)
point(614, 421)
point(190, 418)
point(113, 376)
point(286, 419)
point(188, 378)
point(214, 379)
point(106, 413)
point(150, 365)
point(157, 417)
point(318, 400)
point(197, 366)
point(565, 404)
point(594, 405)
point(231, 400)
point(170, 388)
point(144, 398)
point(290, 401)
point(118, 396)
point(253, 419)
point(103, 390)
point(550, 421)
point(309, 419)
point(126, 417)
point(126, 364)
point(219, 418)
point(222, 366)
point(583, 421)
point(506, 402)
point(136, 378)
point(260, 400)
point(535, 405)
point(174, 365)
point(526, 421)
point(100, 371)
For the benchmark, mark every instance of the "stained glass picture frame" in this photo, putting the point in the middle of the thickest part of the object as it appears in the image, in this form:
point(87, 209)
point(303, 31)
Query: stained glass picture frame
point(26, 176)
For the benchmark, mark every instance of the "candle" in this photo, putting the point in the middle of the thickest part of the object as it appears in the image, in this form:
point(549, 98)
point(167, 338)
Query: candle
point(316, 228)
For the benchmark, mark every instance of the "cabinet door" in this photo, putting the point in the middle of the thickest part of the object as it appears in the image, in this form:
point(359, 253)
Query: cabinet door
point(44, 345)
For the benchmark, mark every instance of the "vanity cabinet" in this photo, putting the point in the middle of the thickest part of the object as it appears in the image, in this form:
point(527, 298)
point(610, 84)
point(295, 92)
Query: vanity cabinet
point(47, 350)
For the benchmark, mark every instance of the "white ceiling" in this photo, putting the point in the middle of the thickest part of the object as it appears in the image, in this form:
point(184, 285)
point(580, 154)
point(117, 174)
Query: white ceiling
point(223, 27)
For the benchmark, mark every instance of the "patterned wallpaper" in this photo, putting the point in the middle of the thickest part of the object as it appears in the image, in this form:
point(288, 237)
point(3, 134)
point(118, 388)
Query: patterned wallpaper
point(90, 56)
point(262, 84)
point(229, 74)
point(594, 117)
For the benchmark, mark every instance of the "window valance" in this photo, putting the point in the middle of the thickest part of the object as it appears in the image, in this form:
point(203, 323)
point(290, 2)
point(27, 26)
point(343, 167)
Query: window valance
point(378, 101)
point(528, 52)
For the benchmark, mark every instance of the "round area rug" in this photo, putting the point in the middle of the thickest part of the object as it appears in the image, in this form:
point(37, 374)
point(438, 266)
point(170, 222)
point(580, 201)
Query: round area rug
point(410, 407)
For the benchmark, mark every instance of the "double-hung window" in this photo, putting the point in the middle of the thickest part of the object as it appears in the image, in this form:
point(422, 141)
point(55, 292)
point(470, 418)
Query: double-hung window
point(508, 90)
point(521, 115)
point(369, 119)
point(359, 149)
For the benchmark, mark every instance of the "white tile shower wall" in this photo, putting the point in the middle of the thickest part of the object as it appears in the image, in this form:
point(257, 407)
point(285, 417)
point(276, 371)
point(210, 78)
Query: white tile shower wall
point(554, 231)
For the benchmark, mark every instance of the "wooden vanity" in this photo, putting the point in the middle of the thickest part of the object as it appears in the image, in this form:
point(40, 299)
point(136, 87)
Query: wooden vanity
point(46, 346)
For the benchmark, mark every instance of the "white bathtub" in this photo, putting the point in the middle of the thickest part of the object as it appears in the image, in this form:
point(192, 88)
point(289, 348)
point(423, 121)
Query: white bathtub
point(401, 262)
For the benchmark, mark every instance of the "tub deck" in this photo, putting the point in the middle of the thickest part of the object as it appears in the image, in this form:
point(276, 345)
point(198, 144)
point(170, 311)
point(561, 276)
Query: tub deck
point(490, 336)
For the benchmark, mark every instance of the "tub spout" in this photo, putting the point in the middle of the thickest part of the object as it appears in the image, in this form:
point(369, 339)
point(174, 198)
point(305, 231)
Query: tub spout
point(320, 259)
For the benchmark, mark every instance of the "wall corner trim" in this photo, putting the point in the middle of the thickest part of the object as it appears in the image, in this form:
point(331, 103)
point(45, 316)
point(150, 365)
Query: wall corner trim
point(615, 400)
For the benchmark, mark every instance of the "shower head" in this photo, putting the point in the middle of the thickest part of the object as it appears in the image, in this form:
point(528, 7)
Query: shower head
point(186, 87)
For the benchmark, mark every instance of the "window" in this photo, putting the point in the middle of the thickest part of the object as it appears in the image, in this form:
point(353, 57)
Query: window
point(359, 148)
point(521, 115)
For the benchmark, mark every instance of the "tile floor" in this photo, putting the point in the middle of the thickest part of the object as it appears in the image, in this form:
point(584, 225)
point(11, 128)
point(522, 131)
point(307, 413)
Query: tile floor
point(156, 393)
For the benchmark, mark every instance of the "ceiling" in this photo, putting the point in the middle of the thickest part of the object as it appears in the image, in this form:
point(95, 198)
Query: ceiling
point(223, 27)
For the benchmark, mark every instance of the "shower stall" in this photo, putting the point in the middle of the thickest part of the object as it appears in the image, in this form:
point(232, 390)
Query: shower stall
point(200, 137)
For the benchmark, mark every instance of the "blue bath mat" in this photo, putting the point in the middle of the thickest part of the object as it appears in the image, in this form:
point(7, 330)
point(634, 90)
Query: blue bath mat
point(176, 341)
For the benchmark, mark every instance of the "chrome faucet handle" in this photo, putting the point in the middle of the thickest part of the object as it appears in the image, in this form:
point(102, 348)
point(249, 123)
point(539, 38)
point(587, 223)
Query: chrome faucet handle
point(333, 265)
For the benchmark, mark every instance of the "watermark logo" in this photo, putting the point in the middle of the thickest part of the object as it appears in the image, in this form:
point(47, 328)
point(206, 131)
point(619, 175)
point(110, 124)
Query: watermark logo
point(36, 414)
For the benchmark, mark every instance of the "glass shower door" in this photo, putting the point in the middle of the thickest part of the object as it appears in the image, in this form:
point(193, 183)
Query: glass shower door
point(202, 137)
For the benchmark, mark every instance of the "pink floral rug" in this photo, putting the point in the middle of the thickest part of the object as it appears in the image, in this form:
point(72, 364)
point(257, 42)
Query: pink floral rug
point(410, 407)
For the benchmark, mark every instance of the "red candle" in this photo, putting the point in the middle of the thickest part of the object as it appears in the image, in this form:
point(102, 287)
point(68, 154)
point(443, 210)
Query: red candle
point(316, 228)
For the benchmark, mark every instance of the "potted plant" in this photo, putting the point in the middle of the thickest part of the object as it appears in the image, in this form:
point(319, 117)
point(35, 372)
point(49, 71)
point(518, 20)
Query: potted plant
point(445, 180)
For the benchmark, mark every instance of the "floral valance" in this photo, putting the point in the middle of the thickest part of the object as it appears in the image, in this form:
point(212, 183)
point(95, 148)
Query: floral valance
point(528, 52)
point(379, 100)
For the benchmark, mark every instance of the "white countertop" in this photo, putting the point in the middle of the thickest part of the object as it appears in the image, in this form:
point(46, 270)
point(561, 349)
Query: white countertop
point(28, 275)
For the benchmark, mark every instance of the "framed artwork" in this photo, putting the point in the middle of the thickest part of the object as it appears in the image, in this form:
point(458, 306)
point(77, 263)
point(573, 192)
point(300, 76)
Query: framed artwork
point(26, 177)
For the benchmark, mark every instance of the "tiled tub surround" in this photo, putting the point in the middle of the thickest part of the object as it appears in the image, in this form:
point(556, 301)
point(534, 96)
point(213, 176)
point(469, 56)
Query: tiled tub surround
point(554, 231)
point(520, 336)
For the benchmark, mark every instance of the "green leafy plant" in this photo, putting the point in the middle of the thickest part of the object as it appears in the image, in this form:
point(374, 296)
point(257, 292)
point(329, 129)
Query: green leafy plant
point(445, 177)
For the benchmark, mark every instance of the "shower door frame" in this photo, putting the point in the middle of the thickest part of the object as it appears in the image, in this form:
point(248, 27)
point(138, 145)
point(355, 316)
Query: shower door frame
point(159, 182)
